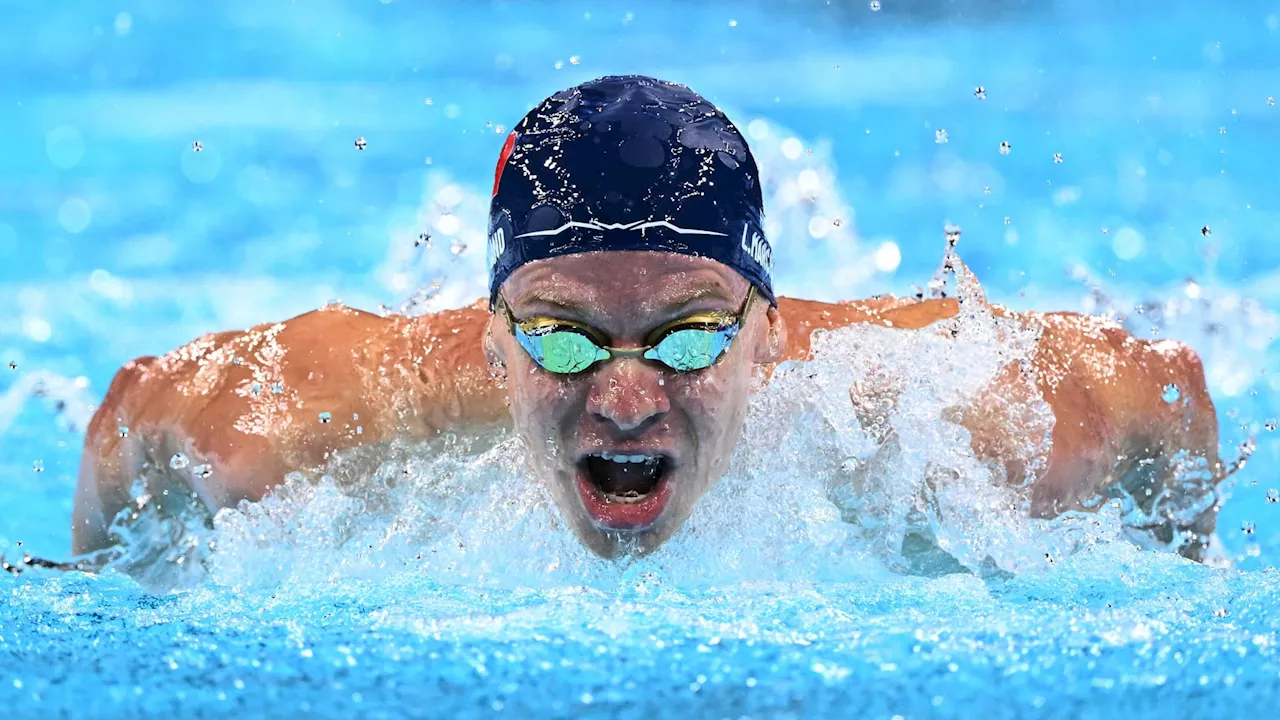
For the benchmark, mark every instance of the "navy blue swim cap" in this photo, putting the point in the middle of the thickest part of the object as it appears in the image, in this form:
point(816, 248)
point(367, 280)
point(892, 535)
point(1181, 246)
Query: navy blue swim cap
point(627, 163)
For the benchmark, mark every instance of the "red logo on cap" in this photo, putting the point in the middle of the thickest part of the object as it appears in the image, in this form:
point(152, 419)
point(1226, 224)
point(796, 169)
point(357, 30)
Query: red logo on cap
point(502, 160)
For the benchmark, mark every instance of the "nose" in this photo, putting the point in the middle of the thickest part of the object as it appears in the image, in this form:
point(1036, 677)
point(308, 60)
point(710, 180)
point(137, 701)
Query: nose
point(629, 394)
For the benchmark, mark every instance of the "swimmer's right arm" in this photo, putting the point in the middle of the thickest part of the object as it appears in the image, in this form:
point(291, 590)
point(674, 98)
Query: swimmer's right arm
point(246, 408)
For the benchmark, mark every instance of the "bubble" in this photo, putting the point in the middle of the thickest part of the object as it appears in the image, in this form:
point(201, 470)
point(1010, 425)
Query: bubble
point(13, 365)
point(559, 64)
point(37, 466)
point(123, 23)
point(1057, 158)
point(733, 23)
point(203, 471)
point(1248, 527)
point(458, 247)
point(277, 387)
point(1206, 231)
point(325, 417)
point(38, 329)
point(196, 146)
point(1171, 393)
point(179, 461)
point(124, 431)
point(888, 256)
point(448, 224)
point(64, 146)
point(875, 5)
point(791, 148)
point(980, 93)
point(1127, 243)
point(74, 215)
point(758, 129)
point(940, 136)
point(1005, 148)
point(361, 143)
point(1192, 290)
point(574, 60)
point(808, 181)
point(424, 240)
point(1273, 495)
point(1271, 425)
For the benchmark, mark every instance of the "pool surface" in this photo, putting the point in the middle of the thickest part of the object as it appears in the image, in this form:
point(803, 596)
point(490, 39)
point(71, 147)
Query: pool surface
point(1137, 181)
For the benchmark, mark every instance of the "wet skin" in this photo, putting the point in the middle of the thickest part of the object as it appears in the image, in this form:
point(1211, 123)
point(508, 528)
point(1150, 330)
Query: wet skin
point(248, 403)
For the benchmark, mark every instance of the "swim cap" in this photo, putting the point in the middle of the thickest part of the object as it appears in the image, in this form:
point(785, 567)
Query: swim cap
point(627, 163)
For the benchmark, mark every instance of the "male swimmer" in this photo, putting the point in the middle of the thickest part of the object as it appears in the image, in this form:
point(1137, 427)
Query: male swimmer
point(630, 305)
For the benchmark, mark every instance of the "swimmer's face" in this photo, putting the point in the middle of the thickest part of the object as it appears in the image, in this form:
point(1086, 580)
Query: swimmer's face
point(629, 445)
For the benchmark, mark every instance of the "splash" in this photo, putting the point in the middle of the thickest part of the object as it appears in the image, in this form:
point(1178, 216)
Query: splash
point(854, 463)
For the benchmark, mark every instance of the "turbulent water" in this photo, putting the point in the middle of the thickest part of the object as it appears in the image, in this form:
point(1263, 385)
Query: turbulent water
point(808, 582)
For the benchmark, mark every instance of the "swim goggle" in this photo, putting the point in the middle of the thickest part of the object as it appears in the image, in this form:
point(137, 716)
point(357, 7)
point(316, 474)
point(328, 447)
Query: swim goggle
point(565, 347)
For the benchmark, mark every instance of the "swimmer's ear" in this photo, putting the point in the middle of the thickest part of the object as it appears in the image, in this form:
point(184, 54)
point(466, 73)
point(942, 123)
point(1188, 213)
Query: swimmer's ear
point(492, 348)
point(770, 351)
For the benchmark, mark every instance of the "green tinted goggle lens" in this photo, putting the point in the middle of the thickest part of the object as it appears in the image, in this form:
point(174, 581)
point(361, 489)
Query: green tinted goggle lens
point(568, 351)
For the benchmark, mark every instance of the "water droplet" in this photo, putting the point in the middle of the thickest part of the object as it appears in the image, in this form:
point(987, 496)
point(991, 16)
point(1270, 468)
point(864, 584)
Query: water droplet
point(1171, 393)
point(1206, 231)
point(124, 431)
point(1273, 495)
point(178, 461)
point(361, 143)
point(1005, 147)
point(325, 418)
point(875, 5)
point(38, 466)
point(1057, 158)
point(980, 93)
point(940, 136)
point(1248, 527)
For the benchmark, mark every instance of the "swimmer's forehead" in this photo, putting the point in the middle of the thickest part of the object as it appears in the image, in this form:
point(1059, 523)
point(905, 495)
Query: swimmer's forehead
point(608, 283)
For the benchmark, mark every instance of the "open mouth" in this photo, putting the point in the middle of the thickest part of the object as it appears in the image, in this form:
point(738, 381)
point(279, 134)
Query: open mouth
point(623, 491)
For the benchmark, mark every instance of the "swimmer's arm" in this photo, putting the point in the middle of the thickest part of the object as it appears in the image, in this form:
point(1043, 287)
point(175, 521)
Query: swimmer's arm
point(1113, 414)
point(248, 405)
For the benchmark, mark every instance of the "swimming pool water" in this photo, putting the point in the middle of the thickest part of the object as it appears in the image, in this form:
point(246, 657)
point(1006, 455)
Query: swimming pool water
point(117, 239)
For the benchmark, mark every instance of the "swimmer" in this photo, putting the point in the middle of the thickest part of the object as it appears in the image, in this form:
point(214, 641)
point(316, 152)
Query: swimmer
point(630, 308)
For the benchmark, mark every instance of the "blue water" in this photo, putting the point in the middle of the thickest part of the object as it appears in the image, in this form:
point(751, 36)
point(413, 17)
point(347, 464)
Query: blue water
point(118, 240)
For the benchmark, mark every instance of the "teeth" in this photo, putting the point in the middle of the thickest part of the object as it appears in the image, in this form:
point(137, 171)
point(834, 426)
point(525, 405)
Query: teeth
point(626, 498)
point(620, 458)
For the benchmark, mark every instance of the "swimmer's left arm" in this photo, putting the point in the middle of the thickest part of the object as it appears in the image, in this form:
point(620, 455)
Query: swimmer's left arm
point(1119, 402)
